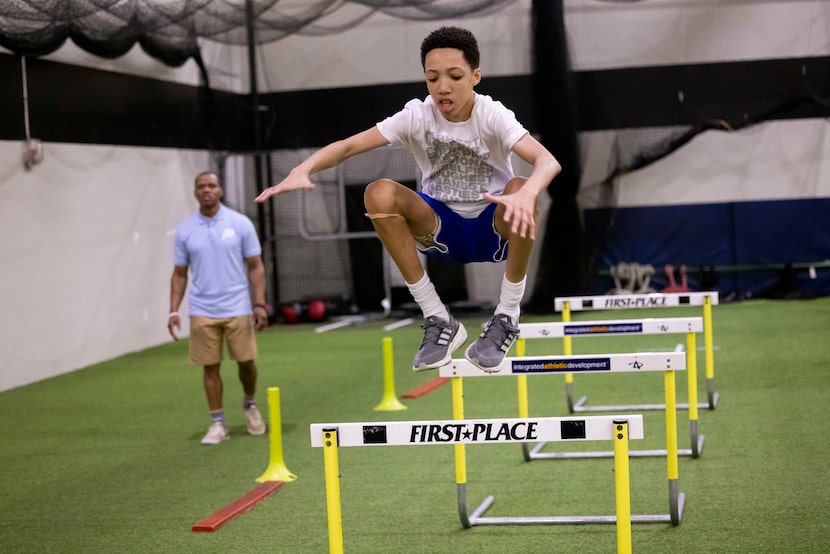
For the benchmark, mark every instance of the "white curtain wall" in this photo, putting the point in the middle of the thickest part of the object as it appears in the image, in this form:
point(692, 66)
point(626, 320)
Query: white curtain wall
point(775, 160)
point(86, 242)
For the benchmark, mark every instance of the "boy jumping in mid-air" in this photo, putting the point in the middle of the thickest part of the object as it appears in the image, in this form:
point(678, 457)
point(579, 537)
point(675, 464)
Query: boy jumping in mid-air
point(471, 208)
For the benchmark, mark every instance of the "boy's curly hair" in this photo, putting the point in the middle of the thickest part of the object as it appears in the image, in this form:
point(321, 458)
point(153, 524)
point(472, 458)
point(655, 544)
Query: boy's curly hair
point(452, 37)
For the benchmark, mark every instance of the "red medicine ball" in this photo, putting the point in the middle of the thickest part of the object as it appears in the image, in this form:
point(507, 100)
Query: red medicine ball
point(317, 310)
point(290, 313)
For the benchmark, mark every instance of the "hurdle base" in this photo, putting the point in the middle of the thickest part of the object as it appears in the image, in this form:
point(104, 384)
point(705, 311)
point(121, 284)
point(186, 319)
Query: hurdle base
point(580, 406)
point(713, 398)
point(526, 455)
point(696, 442)
point(477, 518)
point(569, 395)
point(536, 454)
point(677, 501)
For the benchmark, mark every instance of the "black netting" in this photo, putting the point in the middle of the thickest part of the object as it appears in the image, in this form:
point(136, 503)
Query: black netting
point(168, 30)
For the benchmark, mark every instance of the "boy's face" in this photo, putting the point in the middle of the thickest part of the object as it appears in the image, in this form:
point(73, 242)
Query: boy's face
point(450, 81)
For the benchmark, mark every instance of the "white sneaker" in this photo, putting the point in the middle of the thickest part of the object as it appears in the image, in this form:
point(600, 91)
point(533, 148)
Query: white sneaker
point(255, 424)
point(217, 433)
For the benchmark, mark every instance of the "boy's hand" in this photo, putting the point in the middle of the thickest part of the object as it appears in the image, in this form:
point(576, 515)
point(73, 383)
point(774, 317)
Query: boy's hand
point(292, 182)
point(519, 211)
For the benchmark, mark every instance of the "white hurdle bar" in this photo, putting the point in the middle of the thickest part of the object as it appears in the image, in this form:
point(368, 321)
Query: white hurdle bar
point(668, 362)
point(625, 327)
point(707, 299)
point(331, 436)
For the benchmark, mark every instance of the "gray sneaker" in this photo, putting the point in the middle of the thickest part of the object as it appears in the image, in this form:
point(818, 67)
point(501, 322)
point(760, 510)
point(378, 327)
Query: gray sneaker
point(441, 339)
point(488, 351)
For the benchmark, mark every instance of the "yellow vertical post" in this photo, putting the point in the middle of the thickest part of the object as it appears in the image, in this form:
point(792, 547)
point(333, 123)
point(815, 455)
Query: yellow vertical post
point(566, 341)
point(707, 337)
point(390, 402)
point(671, 425)
point(521, 380)
point(458, 413)
point(276, 470)
point(332, 473)
point(691, 369)
point(623, 487)
point(675, 499)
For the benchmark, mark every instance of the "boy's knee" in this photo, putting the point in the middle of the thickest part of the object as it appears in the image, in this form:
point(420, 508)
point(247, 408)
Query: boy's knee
point(514, 184)
point(379, 195)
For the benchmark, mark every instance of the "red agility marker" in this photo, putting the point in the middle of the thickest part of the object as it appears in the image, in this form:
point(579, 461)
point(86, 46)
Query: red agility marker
point(429, 386)
point(238, 506)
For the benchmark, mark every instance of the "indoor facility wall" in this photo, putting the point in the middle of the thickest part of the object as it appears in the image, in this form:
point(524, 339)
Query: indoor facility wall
point(87, 246)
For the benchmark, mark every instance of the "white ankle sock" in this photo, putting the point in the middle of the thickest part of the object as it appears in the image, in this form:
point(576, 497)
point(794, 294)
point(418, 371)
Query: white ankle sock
point(424, 294)
point(510, 299)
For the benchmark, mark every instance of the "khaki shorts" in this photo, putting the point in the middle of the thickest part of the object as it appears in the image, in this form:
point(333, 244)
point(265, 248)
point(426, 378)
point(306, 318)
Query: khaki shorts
point(207, 334)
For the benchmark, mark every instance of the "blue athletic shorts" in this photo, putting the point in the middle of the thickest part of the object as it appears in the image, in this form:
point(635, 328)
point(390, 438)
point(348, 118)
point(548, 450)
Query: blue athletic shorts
point(463, 240)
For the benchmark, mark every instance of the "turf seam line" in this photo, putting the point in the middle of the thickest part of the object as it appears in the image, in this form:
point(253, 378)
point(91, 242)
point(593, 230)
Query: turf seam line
point(239, 506)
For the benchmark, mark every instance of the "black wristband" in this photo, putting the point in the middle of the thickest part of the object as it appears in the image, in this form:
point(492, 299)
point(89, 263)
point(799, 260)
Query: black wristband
point(263, 306)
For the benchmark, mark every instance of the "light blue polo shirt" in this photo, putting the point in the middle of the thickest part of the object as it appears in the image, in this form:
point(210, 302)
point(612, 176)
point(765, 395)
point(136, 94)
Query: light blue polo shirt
point(215, 248)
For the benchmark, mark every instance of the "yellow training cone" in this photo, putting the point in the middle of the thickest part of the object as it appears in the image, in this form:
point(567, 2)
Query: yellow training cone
point(276, 468)
point(390, 402)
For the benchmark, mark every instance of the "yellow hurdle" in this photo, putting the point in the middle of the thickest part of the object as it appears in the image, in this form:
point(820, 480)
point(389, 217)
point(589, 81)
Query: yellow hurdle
point(276, 468)
point(332, 436)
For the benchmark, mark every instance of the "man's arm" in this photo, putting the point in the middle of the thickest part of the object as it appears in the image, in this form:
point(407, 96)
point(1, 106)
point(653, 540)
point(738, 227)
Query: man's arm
point(178, 284)
point(520, 207)
point(256, 276)
point(328, 156)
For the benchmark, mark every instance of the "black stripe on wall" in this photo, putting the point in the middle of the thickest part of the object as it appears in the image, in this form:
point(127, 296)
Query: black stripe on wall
point(81, 105)
point(76, 104)
point(712, 94)
point(736, 92)
point(317, 117)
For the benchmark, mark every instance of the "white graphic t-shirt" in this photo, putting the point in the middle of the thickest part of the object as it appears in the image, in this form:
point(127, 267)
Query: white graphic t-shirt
point(459, 161)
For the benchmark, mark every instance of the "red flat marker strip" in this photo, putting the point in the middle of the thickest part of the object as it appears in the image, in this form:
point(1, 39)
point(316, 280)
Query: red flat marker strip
point(426, 387)
point(238, 506)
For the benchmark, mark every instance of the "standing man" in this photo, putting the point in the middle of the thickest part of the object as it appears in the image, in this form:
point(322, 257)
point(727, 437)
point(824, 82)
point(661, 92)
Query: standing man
point(221, 248)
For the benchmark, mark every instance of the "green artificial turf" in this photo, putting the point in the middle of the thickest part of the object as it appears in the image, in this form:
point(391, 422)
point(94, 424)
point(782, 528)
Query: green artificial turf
point(107, 459)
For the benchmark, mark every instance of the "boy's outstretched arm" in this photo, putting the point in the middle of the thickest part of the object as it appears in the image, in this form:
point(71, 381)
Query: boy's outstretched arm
point(520, 206)
point(329, 156)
